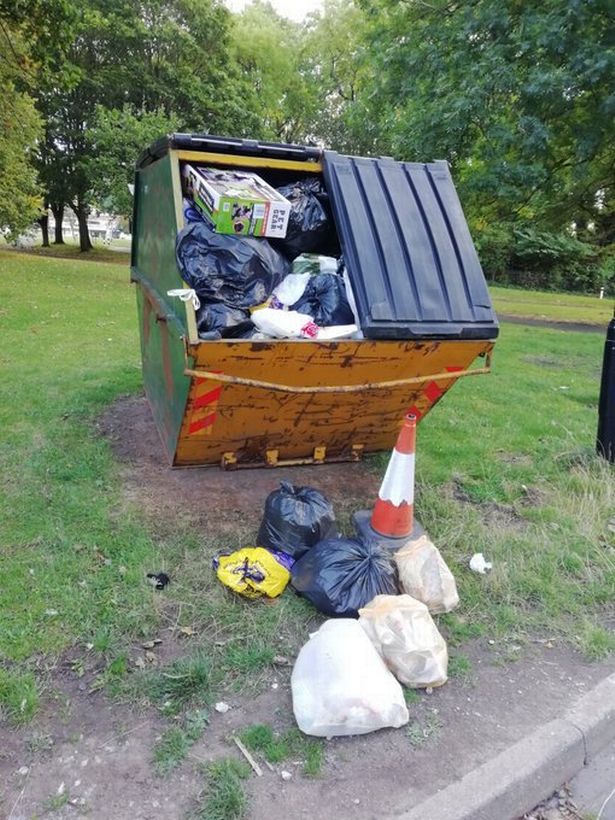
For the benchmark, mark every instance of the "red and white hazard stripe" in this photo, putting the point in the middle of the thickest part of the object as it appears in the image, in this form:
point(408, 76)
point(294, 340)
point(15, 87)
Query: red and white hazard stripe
point(394, 508)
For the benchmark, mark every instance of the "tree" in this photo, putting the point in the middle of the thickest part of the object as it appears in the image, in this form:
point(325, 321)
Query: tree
point(516, 95)
point(336, 65)
point(20, 127)
point(116, 141)
point(267, 48)
point(169, 57)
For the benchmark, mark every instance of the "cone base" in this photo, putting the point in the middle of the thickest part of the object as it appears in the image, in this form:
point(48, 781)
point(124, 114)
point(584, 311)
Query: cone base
point(362, 523)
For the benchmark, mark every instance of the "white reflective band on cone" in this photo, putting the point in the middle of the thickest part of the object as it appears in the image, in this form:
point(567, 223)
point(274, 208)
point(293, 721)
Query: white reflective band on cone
point(398, 482)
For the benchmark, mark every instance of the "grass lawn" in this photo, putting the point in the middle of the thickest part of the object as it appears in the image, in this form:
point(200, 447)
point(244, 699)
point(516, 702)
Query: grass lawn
point(505, 467)
point(556, 307)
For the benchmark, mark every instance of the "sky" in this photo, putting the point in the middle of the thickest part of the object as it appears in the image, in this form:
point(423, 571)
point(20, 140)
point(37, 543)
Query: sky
point(295, 9)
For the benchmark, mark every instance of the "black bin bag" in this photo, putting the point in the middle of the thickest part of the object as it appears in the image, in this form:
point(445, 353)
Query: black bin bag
point(295, 519)
point(341, 575)
point(310, 224)
point(324, 298)
point(240, 271)
point(229, 321)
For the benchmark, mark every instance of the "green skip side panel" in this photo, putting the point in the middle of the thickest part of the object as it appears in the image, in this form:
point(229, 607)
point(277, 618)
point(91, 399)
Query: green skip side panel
point(154, 267)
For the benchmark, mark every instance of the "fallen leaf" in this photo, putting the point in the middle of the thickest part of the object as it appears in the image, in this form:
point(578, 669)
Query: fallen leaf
point(187, 630)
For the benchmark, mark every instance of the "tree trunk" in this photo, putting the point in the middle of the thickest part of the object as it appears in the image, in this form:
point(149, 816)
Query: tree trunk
point(58, 214)
point(44, 223)
point(81, 212)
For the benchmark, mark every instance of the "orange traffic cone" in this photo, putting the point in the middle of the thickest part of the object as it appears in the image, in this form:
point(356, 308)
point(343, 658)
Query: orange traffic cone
point(392, 521)
point(393, 513)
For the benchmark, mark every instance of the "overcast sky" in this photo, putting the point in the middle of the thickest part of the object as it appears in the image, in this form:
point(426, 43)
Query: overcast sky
point(295, 9)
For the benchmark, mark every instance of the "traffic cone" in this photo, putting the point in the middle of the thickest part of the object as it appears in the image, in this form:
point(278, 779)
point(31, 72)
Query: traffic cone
point(393, 513)
point(392, 521)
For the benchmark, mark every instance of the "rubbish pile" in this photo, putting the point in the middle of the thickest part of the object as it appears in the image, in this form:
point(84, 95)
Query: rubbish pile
point(346, 679)
point(264, 263)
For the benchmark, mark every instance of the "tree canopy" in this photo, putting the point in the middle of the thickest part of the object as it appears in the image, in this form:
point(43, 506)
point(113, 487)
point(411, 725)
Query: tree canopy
point(519, 97)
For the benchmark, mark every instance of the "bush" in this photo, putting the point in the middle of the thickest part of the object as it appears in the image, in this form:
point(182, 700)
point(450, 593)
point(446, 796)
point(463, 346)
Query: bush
point(529, 258)
point(494, 245)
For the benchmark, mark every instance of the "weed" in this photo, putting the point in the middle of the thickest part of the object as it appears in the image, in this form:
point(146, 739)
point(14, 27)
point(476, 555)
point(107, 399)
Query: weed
point(460, 667)
point(172, 687)
point(411, 696)
point(224, 797)
point(56, 801)
point(261, 738)
point(19, 696)
point(420, 731)
point(247, 659)
point(171, 750)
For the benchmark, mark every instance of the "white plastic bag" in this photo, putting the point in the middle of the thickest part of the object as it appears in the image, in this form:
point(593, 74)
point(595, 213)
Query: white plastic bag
point(340, 685)
point(423, 574)
point(336, 332)
point(291, 288)
point(284, 324)
point(403, 632)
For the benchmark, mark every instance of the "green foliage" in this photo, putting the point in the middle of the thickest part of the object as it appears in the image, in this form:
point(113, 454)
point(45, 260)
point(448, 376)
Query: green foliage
point(20, 129)
point(172, 687)
point(224, 797)
point(174, 744)
point(275, 748)
point(517, 96)
point(529, 258)
point(18, 696)
point(116, 140)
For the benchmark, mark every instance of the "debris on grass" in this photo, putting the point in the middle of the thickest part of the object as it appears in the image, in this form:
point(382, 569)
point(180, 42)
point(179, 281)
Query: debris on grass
point(478, 563)
point(159, 580)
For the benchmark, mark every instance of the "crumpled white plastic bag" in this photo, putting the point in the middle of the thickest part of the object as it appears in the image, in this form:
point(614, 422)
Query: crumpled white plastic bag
point(403, 632)
point(424, 575)
point(341, 686)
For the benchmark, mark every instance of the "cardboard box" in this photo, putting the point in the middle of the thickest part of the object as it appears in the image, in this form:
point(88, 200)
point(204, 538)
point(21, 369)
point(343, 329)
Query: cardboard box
point(237, 202)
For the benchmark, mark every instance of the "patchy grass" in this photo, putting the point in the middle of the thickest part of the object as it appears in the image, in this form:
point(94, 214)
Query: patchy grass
point(18, 696)
point(505, 466)
point(171, 688)
point(422, 729)
point(275, 747)
point(555, 307)
point(411, 696)
point(460, 668)
point(224, 796)
point(175, 743)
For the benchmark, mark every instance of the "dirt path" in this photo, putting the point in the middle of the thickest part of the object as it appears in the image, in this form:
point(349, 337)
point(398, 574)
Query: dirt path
point(577, 327)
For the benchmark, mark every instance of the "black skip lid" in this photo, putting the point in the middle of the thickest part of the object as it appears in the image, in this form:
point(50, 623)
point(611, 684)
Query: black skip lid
point(409, 252)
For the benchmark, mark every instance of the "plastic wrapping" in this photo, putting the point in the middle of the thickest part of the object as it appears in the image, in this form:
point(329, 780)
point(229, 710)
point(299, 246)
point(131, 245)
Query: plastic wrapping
point(424, 575)
point(325, 299)
point(340, 685)
point(310, 226)
point(252, 572)
point(404, 634)
point(284, 324)
point(295, 519)
point(339, 576)
point(240, 271)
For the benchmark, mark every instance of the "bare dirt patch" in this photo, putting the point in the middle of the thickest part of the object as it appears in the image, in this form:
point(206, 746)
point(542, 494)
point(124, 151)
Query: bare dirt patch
point(208, 495)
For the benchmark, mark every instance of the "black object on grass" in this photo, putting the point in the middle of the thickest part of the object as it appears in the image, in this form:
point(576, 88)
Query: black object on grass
point(158, 580)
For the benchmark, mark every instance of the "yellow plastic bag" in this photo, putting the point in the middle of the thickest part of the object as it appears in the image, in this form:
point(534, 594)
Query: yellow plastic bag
point(252, 572)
